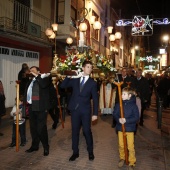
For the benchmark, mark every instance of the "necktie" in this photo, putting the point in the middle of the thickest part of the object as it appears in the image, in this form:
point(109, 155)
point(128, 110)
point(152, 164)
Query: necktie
point(82, 82)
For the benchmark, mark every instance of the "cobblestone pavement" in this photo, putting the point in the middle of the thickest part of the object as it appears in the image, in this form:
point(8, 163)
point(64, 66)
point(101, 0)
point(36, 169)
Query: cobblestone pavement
point(152, 147)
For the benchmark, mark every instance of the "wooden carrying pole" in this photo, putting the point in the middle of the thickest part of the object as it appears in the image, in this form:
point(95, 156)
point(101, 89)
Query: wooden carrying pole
point(122, 116)
point(17, 116)
point(59, 105)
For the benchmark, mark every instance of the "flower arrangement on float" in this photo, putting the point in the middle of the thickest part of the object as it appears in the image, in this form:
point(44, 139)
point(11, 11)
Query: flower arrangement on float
point(75, 61)
point(105, 64)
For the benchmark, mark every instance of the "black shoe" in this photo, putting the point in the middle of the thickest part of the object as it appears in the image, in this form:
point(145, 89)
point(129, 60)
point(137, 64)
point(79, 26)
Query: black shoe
point(1, 134)
point(74, 157)
point(91, 156)
point(54, 126)
point(46, 151)
point(12, 145)
point(23, 144)
point(31, 150)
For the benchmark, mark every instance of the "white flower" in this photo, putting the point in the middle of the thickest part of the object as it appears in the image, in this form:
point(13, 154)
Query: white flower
point(99, 64)
point(69, 64)
point(78, 61)
point(79, 70)
point(111, 69)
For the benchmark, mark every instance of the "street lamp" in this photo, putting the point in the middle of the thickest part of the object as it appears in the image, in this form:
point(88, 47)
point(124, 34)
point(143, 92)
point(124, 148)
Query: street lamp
point(83, 33)
point(165, 56)
point(113, 38)
point(51, 34)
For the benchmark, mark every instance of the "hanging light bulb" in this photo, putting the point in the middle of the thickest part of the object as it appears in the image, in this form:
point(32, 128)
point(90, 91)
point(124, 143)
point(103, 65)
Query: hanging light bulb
point(69, 40)
point(49, 32)
point(83, 27)
point(109, 29)
point(55, 27)
point(97, 25)
point(52, 36)
point(112, 37)
point(118, 35)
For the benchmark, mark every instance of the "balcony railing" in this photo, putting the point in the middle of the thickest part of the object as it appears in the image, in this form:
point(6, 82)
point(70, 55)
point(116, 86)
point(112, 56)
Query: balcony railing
point(21, 20)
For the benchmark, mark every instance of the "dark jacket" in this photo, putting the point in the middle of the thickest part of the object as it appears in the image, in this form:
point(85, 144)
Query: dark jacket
point(142, 89)
point(82, 99)
point(131, 114)
point(44, 97)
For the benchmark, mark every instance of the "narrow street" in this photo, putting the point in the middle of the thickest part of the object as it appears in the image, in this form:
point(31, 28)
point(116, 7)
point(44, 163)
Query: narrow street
point(152, 147)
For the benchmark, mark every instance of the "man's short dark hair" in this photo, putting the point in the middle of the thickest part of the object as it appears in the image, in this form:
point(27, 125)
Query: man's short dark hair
point(86, 62)
point(37, 68)
point(24, 65)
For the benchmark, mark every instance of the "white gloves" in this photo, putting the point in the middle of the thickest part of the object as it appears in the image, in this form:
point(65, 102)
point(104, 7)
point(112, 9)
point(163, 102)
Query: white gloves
point(94, 117)
point(80, 74)
point(122, 120)
point(45, 75)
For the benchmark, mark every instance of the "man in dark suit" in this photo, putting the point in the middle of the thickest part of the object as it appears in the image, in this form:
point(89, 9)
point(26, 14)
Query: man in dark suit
point(143, 91)
point(84, 89)
point(37, 95)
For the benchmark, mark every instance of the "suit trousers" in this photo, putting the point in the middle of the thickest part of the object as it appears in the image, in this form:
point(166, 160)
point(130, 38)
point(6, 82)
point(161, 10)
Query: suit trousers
point(38, 128)
point(130, 146)
point(79, 119)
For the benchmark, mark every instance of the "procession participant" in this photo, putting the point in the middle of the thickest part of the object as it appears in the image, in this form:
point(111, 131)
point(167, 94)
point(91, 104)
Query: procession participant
point(37, 95)
point(143, 91)
point(84, 89)
point(131, 117)
point(127, 82)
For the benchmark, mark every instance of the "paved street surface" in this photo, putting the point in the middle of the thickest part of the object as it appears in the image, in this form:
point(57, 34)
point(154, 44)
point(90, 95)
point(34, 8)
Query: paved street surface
point(152, 147)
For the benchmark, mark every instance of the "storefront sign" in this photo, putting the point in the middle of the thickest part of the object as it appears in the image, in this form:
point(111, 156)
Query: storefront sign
point(18, 52)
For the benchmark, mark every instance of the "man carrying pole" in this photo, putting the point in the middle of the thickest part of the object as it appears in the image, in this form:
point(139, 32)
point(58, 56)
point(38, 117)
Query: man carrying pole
point(126, 114)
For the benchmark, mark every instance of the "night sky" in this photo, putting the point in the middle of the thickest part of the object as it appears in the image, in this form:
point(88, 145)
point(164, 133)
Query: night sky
point(157, 8)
